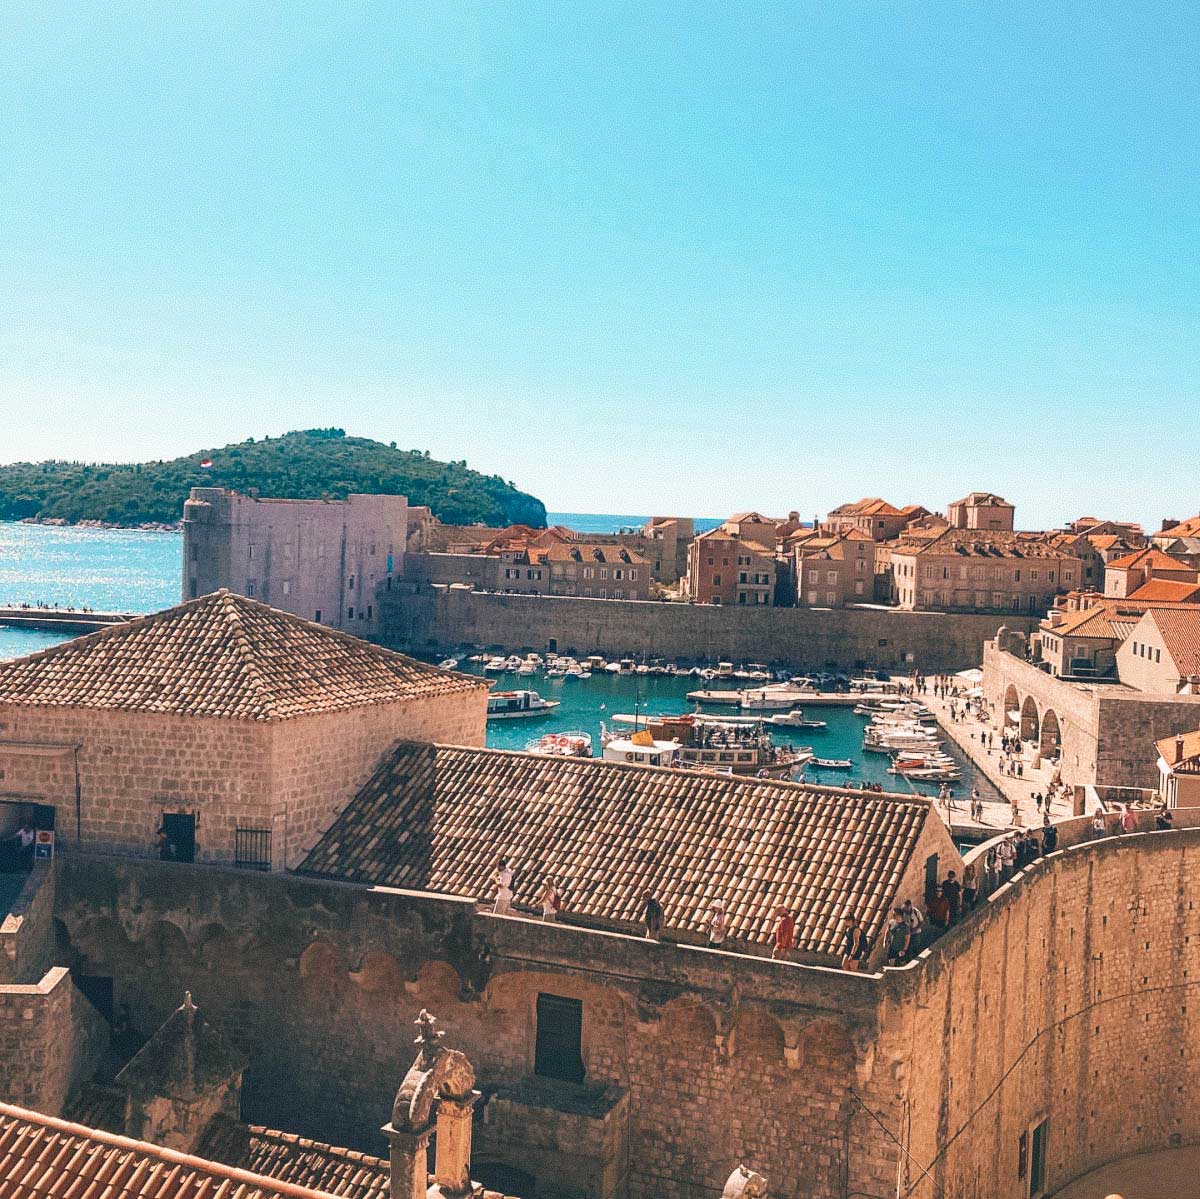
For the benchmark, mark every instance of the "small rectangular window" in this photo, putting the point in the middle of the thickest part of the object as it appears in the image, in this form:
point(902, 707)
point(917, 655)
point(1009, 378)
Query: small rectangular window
point(350, 612)
point(250, 588)
point(317, 616)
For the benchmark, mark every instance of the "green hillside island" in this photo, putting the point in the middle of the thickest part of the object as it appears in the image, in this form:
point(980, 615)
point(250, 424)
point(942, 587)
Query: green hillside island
point(312, 464)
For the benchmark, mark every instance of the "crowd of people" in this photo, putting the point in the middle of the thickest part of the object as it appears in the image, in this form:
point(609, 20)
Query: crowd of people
point(43, 606)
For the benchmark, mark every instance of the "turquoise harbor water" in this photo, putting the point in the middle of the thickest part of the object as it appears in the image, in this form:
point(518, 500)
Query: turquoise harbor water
point(588, 703)
point(139, 572)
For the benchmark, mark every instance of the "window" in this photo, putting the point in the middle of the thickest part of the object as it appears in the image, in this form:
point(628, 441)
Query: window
point(252, 848)
point(618, 594)
point(350, 612)
point(350, 586)
point(716, 580)
point(558, 1050)
point(1157, 656)
point(369, 606)
point(858, 587)
point(317, 616)
point(287, 586)
point(831, 597)
point(604, 572)
point(250, 553)
point(192, 588)
point(743, 577)
point(1033, 574)
point(250, 588)
point(1037, 1161)
point(831, 576)
point(618, 573)
point(633, 576)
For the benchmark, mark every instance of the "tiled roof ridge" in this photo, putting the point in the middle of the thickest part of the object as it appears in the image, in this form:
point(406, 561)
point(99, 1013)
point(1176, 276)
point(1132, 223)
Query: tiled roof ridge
point(170, 1156)
point(279, 1137)
point(267, 708)
point(921, 801)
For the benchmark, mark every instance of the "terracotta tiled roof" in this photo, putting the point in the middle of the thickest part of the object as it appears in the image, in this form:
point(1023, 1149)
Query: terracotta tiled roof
point(1180, 632)
point(980, 543)
point(983, 499)
point(1091, 622)
point(222, 655)
point(870, 506)
point(1185, 528)
point(1191, 748)
point(586, 551)
point(1150, 557)
point(1154, 590)
point(286, 1157)
point(437, 818)
point(45, 1158)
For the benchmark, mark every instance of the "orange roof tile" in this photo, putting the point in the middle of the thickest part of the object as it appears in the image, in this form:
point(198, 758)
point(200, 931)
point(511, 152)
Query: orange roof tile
point(437, 818)
point(1180, 632)
point(45, 1158)
point(1150, 557)
point(222, 655)
point(1166, 589)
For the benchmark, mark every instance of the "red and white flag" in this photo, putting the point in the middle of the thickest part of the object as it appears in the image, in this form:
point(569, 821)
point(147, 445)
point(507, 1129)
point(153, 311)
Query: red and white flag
point(206, 464)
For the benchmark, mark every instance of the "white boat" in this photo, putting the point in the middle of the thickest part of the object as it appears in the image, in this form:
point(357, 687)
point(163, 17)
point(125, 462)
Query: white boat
point(626, 666)
point(642, 751)
point(526, 668)
point(708, 674)
point(494, 666)
point(595, 662)
point(794, 720)
point(724, 670)
point(561, 745)
point(730, 698)
point(504, 705)
point(448, 664)
point(512, 663)
point(555, 672)
point(833, 763)
point(613, 668)
point(643, 669)
point(576, 671)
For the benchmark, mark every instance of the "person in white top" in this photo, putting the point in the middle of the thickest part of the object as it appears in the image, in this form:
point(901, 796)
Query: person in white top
point(718, 925)
point(503, 879)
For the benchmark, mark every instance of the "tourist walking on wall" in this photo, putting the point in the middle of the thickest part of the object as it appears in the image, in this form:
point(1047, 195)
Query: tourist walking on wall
point(1049, 836)
point(503, 879)
point(550, 899)
point(652, 916)
point(970, 886)
point(1128, 820)
point(898, 939)
point(785, 932)
point(718, 924)
point(952, 890)
point(1098, 825)
point(939, 911)
point(916, 925)
point(855, 946)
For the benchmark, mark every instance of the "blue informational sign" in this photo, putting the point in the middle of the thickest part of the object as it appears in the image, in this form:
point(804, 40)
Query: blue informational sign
point(43, 844)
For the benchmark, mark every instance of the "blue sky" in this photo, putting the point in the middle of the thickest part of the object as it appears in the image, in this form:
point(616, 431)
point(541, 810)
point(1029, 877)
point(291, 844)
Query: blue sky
point(636, 257)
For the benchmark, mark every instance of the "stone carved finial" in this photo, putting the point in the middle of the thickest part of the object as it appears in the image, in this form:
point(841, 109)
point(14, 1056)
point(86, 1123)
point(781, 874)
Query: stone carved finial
point(745, 1184)
point(428, 1038)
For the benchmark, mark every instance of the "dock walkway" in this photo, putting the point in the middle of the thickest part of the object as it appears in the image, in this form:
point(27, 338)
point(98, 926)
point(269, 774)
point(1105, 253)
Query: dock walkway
point(61, 620)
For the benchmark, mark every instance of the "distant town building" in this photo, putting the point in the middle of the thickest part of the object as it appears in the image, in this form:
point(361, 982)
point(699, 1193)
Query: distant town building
point(981, 510)
point(877, 518)
point(324, 560)
point(723, 569)
point(1129, 530)
point(973, 570)
point(1180, 539)
point(667, 540)
point(1129, 576)
point(1179, 769)
point(833, 571)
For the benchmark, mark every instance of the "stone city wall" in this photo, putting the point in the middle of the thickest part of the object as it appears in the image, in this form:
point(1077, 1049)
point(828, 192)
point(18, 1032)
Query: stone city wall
point(26, 936)
point(695, 1059)
point(849, 638)
point(1071, 998)
point(50, 1038)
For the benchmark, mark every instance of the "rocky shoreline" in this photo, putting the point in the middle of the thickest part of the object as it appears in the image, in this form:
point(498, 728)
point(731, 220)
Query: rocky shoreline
point(61, 523)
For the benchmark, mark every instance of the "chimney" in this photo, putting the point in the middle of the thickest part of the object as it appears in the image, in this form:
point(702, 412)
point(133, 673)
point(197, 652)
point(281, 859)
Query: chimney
point(1178, 749)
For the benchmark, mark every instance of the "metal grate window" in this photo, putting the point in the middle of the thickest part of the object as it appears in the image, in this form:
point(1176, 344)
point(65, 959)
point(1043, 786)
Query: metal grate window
point(252, 849)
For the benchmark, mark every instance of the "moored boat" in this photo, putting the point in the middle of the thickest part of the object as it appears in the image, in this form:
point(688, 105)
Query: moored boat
point(504, 705)
point(561, 745)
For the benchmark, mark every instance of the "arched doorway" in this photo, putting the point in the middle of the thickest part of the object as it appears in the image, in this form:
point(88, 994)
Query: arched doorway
point(1050, 744)
point(1012, 709)
point(1029, 720)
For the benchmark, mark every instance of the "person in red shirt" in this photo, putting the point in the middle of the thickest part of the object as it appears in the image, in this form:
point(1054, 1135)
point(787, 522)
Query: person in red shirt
point(785, 933)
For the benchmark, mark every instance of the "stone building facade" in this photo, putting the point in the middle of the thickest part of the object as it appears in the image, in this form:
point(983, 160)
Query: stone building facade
point(324, 560)
point(236, 729)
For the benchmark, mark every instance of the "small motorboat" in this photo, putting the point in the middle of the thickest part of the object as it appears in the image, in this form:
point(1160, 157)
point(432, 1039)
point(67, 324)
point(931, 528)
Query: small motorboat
point(527, 668)
point(561, 745)
point(505, 705)
point(833, 763)
point(494, 666)
point(448, 664)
